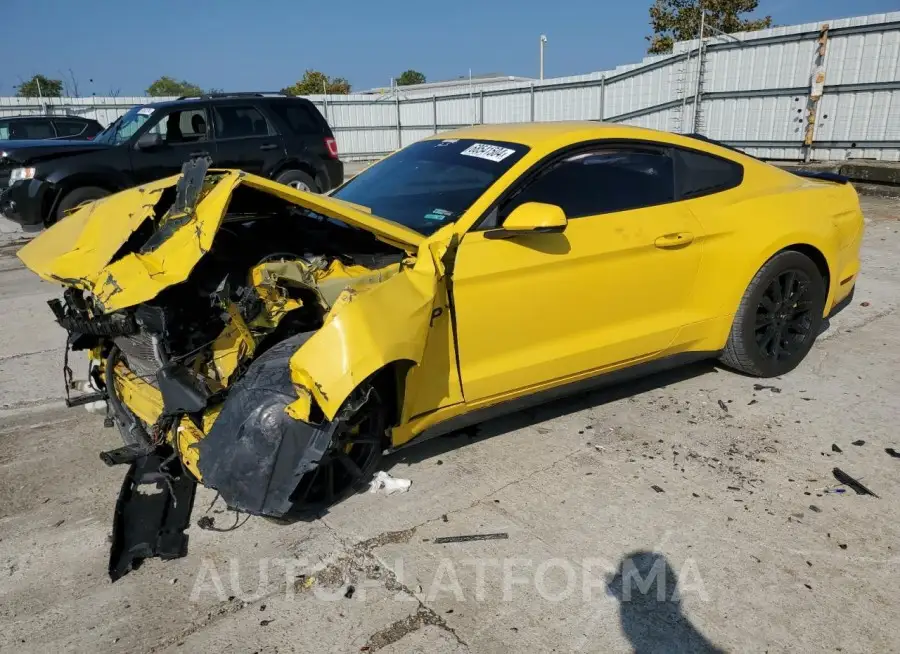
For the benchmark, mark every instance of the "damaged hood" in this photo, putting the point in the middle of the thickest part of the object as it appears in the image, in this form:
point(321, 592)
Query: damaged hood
point(85, 250)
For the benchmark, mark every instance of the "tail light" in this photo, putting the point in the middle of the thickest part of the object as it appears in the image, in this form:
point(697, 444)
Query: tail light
point(331, 145)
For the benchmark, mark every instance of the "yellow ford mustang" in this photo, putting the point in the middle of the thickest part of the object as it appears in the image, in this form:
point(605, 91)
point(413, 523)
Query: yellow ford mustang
point(271, 343)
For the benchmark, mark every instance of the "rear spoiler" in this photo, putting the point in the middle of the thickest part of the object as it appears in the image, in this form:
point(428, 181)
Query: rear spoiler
point(823, 175)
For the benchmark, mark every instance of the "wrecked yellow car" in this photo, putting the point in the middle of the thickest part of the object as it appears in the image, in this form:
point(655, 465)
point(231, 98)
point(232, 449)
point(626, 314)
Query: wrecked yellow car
point(271, 343)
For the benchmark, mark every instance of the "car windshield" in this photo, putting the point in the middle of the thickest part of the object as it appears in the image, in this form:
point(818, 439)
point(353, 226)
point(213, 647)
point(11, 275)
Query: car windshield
point(125, 127)
point(431, 183)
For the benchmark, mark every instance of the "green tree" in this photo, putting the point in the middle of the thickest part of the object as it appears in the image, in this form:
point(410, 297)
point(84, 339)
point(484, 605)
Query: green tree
point(679, 20)
point(410, 76)
point(314, 82)
point(168, 86)
point(40, 85)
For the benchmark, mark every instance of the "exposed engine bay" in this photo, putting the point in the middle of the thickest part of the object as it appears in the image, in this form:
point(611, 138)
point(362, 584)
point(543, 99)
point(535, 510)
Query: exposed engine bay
point(166, 366)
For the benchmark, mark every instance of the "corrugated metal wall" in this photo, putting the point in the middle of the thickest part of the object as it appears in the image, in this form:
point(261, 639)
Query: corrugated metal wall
point(754, 94)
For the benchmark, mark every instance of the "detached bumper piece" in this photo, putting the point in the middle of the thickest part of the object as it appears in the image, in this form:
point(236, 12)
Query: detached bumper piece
point(255, 455)
point(152, 513)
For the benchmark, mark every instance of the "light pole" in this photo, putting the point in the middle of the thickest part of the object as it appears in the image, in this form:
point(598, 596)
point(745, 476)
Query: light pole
point(543, 43)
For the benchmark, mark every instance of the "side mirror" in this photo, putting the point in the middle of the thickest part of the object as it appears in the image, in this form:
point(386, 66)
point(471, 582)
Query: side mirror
point(533, 218)
point(149, 141)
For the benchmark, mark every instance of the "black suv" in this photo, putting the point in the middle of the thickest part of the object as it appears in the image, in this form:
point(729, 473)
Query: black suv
point(27, 128)
point(280, 137)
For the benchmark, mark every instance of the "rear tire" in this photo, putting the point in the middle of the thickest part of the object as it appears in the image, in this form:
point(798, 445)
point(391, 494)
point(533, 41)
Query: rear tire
point(76, 198)
point(779, 317)
point(298, 180)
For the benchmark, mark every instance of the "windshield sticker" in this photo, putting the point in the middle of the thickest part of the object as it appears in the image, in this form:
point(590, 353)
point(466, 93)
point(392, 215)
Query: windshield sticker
point(447, 142)
point(442, 212)
point(145, 111)
point(438, 214)
point(490, 152)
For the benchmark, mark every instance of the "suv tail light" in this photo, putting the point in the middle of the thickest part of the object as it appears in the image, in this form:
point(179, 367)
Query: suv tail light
point(331, 145)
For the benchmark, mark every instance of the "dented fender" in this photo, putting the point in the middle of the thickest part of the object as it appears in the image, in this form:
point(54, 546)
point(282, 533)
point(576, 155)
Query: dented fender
point(368, 328)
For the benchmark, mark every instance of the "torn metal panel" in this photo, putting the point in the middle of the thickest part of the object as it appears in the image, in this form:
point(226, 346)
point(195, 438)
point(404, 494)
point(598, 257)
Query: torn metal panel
point(99, 230)
point(364, 331)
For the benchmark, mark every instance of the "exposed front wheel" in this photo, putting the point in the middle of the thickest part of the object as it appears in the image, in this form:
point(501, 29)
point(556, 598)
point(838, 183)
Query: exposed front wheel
point(352, 456)
point(779, 317)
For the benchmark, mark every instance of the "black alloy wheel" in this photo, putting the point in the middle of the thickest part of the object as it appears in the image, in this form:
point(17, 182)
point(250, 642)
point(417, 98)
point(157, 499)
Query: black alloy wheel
point(351, 458)
point(783, 320)
point(779, 317)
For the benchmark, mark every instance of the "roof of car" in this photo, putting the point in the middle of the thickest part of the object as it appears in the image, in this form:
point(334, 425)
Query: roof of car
point(550, 135)
point(223, 97)
point(57, 117)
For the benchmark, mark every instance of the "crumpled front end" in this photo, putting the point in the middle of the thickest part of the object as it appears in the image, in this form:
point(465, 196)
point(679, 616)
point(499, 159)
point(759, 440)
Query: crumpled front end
point(191, 298)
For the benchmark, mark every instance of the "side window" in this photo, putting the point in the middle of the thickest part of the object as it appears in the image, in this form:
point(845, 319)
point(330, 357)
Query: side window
point(233, 121)
point(601, 181)
point(702, 174)
point(68, 128)
point(185, 126)
point(298, 117)
point(4, 130)
point(31, 129)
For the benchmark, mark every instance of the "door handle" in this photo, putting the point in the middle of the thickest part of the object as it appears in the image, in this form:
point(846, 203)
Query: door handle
point(268, 146)
point(676, 240)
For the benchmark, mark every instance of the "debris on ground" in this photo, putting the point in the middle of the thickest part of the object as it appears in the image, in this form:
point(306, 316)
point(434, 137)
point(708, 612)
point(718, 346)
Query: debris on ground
point(723, 406)
point(206, 522)
point(387, 483)
point(470, 537)
point(858, 443)
point(814, 508)
point(349, 592)
point(847, 480)
point(658, 489)
point(835, 448)
point(894, 453)
point(762, 387)
point(863, 304)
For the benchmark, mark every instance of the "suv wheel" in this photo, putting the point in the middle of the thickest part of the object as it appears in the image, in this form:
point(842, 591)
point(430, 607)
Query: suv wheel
point(74, 199)
point(298, 180)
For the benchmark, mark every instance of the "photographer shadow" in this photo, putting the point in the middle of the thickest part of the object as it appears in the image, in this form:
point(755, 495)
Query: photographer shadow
point(650, 609)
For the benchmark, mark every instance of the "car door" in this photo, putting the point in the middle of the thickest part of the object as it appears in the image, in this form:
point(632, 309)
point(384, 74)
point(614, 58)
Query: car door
point(183, 133)
point(612, 289)
point(245, 139)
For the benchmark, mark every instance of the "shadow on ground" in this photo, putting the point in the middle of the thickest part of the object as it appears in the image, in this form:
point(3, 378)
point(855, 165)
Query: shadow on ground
point(417, 452)
point(650, 609)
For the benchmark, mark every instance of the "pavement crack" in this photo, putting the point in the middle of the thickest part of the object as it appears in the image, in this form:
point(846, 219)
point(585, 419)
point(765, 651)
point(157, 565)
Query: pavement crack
point(400, 628)
point(21, 355)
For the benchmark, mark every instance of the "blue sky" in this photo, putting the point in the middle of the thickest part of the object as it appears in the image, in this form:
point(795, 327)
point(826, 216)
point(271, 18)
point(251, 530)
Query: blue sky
point(267, 44)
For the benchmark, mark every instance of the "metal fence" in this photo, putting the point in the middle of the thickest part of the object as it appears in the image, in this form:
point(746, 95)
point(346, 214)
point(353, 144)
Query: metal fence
point(781, 93)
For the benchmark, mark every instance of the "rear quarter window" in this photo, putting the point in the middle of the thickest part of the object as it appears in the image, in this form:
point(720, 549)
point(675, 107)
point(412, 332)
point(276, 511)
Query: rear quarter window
point(298, 117)
point(699, 174)
point(69, 127)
